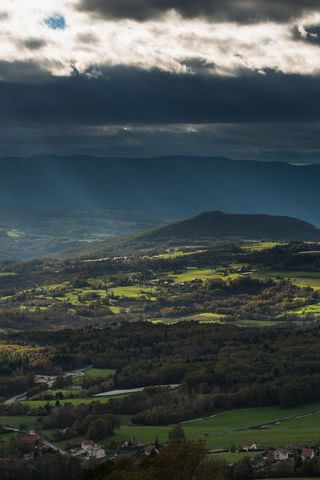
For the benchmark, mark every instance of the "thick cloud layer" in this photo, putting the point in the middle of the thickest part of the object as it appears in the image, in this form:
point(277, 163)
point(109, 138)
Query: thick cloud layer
point(241, 11)
point(121, 95)
point(144, 76)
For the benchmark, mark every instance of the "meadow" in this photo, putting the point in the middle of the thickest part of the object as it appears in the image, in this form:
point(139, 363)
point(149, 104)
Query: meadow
point(204, 274)
point(269, 427)
point(301, 279)
point(133, 292)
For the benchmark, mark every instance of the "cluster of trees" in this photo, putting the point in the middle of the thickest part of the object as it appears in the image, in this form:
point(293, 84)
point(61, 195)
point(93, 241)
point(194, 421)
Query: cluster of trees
point(216, 366)
point(241, 298)
point(89, 421)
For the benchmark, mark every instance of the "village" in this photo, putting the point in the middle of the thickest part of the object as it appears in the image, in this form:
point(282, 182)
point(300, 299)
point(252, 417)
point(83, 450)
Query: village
point(285, 461)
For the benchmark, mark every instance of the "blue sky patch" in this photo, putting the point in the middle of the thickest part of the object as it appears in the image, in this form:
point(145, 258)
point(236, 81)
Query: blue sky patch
point(56, 22)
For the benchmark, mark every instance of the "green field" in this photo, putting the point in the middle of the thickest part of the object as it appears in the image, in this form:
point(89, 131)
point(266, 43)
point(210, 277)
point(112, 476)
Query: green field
point(99, 372)
point(13, 234)
point(203, 274)
point(301, 279)
point(313, 309)
point(16, 421)
point(208, 317)
point(133, 292)
point(84, 296)
point(268, 426)
point(73, 401)
point(259, 246)
point(232, 428)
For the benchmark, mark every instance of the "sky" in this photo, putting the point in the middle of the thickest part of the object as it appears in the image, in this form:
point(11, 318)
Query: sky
point(235, 78)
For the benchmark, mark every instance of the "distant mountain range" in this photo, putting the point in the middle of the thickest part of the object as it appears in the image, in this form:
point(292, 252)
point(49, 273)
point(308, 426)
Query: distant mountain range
point(175, 187)
point(219, 225)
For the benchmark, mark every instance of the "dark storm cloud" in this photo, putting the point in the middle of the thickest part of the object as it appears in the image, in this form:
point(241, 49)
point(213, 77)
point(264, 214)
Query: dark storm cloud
point(22, 72)
point(308, 33)
point(34, 43)
point(117, 95)
point(241, 11)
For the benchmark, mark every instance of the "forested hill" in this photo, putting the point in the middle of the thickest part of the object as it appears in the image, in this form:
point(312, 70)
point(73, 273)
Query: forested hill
point(220, 225)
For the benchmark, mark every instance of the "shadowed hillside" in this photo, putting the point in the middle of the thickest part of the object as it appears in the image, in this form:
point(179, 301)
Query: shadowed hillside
point(218, 225)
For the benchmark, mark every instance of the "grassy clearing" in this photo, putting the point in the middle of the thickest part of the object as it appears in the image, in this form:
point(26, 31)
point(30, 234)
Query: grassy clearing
point(116, 310)
point(203, 274)
point(313, 309)
point(178, 253)
point(100, 372)
point(65, 392)
point(73, 401)
point(83, 296)
point(208, 317)
point(133, 292)
point(16, 421)
point(13, 234)
point(258, 246)
point(302, 279)
point(93, 373)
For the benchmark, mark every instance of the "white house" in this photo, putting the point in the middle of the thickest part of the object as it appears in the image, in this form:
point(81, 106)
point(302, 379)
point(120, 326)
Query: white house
point(249, 446)
point(92, 449)
point(280, 454)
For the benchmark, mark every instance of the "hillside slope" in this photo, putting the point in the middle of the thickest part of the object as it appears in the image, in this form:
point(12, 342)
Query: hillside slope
point(219, 225)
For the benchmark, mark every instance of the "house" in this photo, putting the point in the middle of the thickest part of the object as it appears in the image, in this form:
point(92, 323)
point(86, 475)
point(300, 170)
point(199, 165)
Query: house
point(249, 446)
point(280, 454)
point(151, 450)
point(92, 449)
point(307, 454)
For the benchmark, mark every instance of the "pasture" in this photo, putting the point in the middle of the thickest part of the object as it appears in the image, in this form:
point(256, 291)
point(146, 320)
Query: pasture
point(99, 372)
point(208, 317)
point(268, 426)
point(301, 279)
point(133, 292)
point(204, 274)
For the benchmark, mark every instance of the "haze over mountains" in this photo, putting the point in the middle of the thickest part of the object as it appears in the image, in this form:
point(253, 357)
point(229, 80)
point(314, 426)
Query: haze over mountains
point(175, 187)
point(53, 205)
